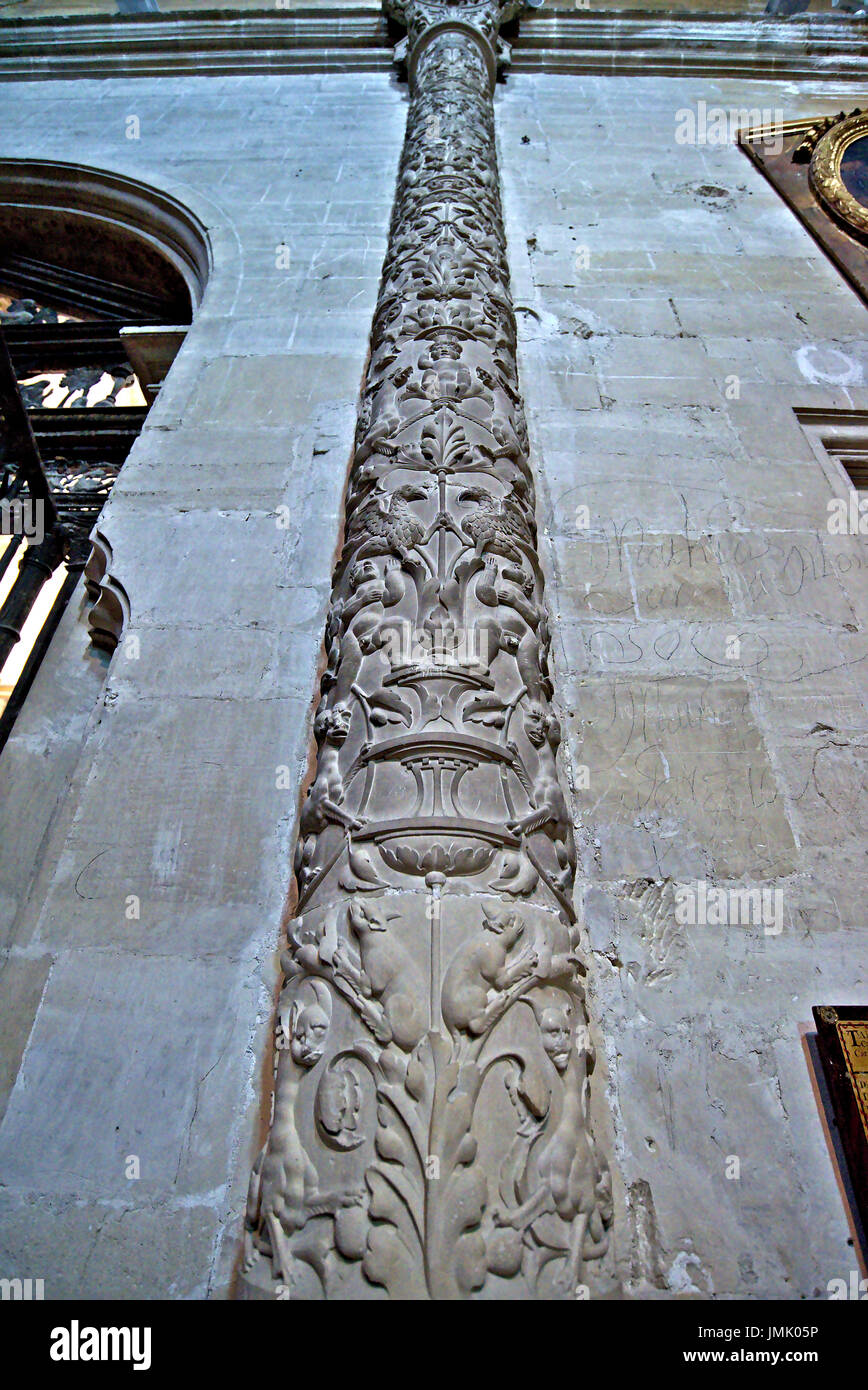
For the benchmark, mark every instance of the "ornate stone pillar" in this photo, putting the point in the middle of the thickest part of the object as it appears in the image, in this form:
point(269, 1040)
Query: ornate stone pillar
point(431, 1134)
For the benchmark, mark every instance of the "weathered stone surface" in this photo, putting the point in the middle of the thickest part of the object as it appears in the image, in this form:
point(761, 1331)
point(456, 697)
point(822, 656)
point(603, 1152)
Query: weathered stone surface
point(120, 1250)
point(22, 982)
point(705, 761)
point(142, 1036)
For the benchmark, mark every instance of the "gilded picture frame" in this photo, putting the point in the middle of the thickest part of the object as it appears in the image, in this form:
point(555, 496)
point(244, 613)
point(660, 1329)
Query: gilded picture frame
point(825, 172)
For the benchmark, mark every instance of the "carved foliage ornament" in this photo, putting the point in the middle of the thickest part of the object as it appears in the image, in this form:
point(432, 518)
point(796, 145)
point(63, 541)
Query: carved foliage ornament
point(431, 1133)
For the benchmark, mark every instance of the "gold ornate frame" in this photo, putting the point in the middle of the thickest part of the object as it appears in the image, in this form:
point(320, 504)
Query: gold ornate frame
point(825, 172)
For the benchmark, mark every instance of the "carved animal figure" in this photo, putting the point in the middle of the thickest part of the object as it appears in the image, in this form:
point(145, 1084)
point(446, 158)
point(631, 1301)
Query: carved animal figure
point(284, 1194)
point(385, 524)
point(494, 525)
point(567, 1187)
point(549, 812)
point(480, 965)
point(387, 975)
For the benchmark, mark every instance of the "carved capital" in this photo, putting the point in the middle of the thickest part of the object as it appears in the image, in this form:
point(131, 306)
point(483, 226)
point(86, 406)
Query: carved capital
point(486, 16)
point(476, 21)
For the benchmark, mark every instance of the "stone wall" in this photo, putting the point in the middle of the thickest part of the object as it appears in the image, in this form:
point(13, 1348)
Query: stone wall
point(646, 274)
point(660, 279)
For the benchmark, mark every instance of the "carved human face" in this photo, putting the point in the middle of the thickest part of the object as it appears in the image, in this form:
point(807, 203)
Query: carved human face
point(557, 1036)
point(336, 724)
point(535, 724)
point(447, 348)
point(309, 1035)
point(363, 573)
point(338, 1103)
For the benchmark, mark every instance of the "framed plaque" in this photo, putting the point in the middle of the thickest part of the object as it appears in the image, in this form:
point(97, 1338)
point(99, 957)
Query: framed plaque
point(842, 1039)
point(820, 168)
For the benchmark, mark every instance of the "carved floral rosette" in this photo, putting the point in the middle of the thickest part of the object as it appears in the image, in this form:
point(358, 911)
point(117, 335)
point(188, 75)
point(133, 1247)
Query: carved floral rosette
point(431, 1135)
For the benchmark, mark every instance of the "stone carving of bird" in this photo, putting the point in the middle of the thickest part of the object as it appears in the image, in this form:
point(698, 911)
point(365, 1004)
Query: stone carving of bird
point(494, 525)
point(386, 525)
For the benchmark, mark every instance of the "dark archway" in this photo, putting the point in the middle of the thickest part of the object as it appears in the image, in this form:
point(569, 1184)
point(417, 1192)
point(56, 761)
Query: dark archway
point(100, 275)
point(105, 225)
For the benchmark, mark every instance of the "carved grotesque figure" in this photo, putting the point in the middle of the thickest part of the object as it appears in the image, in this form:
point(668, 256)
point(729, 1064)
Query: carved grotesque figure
point(564, 1188)
point(549, 814)
point(288, 1216)
point(324, 799)
point(556, 1034)
point(307, 1033)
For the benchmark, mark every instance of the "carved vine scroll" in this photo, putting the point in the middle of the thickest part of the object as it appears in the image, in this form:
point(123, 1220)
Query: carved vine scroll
point(431, 1135)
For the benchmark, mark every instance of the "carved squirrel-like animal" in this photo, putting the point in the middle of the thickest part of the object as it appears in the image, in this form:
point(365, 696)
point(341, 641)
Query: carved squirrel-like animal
point(480, 965)
point(550, 813)
point(387, 975)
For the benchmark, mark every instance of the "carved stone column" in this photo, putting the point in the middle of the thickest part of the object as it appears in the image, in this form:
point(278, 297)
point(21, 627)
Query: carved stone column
point(431, 1134)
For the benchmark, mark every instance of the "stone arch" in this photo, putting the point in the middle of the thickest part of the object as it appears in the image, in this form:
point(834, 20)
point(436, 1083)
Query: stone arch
point(106, 225)
point(130, 263)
